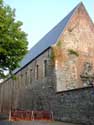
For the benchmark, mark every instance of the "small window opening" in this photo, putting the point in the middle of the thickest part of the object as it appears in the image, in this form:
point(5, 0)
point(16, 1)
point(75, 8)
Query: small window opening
point(37, 72)
point(45, 68)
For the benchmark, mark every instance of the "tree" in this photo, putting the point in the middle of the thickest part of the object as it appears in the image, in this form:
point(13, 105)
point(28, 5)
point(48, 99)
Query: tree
point(13, 41)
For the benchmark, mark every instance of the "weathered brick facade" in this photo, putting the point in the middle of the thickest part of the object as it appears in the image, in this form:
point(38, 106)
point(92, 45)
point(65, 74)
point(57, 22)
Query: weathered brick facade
point(66, 87)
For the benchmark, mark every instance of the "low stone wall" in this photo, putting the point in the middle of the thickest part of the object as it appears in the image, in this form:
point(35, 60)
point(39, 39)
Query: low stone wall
point(75, 106)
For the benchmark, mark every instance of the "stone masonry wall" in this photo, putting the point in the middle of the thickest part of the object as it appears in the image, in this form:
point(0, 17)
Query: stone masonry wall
point(74, 48)
point(11, 89)
point(75, 106)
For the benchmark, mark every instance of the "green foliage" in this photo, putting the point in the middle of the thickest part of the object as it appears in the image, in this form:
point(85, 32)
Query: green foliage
point(14, 77)
point(59, 43)
point(52, 56)
point(73, 52)
point(13, 41)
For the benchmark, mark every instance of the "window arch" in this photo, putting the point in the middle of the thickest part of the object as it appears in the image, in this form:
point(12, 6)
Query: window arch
point(37, 72)
point(30, 76)
point(45, 68)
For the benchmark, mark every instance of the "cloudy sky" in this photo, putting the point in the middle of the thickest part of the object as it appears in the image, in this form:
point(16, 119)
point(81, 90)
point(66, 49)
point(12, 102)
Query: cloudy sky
point(40, 16)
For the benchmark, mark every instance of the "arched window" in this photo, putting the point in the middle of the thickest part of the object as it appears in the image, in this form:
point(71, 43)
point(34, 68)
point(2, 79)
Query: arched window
point(30, 75)
point(45, 68)
point(37, 72)
point(26, 78)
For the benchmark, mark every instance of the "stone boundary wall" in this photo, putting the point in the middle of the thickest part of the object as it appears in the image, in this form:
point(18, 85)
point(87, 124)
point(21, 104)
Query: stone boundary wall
point(75, 106)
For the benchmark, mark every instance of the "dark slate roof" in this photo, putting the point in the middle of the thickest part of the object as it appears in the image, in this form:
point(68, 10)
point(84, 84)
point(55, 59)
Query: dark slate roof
point(47, 41)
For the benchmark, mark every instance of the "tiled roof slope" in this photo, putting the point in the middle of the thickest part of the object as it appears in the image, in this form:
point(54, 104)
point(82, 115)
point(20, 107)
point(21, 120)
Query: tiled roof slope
point(47, 41)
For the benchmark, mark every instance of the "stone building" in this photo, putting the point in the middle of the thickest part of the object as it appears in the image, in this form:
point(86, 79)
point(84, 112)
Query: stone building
point(57, 73)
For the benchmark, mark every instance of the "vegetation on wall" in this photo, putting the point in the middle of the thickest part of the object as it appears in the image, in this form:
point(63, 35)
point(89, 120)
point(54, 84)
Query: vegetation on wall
point(73, 52)
point(59, 43)
point(57, 53)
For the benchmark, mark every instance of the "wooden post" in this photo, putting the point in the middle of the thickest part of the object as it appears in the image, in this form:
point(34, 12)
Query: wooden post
point(32, 115)
point(10, 115)
point(52, 116)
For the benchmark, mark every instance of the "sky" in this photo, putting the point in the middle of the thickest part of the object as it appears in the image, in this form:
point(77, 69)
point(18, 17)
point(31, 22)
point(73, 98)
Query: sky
point(40, 16)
